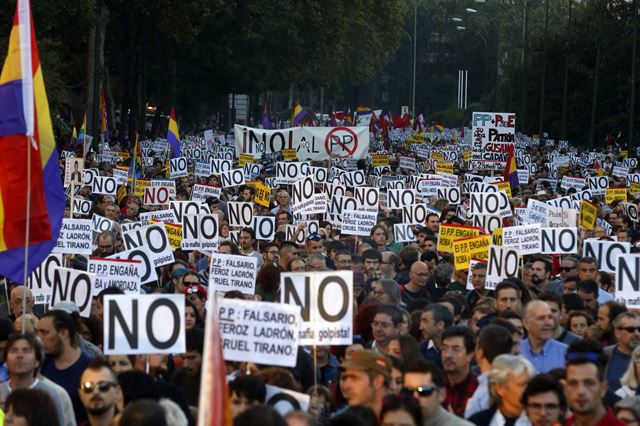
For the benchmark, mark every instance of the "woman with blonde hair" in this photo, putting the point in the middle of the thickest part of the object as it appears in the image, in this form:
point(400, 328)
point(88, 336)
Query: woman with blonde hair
point(630, 380)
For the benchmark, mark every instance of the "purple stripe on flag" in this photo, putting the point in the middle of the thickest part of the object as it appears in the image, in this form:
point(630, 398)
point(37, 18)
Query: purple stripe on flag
point(11, 113)
point(173, 142)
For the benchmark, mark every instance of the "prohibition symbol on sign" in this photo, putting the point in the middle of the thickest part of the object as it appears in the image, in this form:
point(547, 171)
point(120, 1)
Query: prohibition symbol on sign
point(342, 140)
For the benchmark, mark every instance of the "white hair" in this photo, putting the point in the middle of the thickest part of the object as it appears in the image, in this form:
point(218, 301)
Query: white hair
point(505, 365)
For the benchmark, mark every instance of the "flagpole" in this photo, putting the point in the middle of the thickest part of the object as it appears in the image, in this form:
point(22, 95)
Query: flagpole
point(29, 141)
point(135, 153)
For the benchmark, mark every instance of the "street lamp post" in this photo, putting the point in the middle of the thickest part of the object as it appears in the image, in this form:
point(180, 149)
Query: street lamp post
point(415, 42)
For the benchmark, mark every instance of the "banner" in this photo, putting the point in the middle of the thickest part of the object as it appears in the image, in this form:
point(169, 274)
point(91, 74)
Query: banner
point(231, 272)
point(469, 248)
point(124, 274)
point(75, 237)
point(310, 143)
point(450, 233)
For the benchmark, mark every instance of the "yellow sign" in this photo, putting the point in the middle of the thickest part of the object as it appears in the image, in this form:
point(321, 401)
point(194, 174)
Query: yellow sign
point(612, 194)
point(443, 167)
point(588, 213)
point(289, 154)
point(141, 184)
point(466, 249)
point(504, 186)
point(437, 156)
point(379, 160)
point(624, 154)
point(497, 237)
point(467, 155)
point(174, 232)
point(634, 188)
point(451, 233)
point(124, 156)
point(263, 193)
point(245, 159)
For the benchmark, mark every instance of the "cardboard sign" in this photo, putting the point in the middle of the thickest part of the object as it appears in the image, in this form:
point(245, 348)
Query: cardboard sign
point(104, 185)
point(415, 214)
point(101, 223)
point(526, 239)
point(82, 207)
point(260, 332)
point(265, 227)
point(398, 198)
point(155, 238)
point(200, 192)
point(612, 194)
point(219, 166)
point(605, 252)
point(174, 233)
point(356, 222)
point(200, 232)
point(262, 195)
point(121, 273)
point(631, 211)
point(284, 400)
point(178, 167)
point(536, 212)
point(186, 207)
point(75, 237)
point(628, 280)
point(503, 263)
point(486, 222)
point(598, 184)
point(367, 198)
point(403, 233)
point(452, 195)
point(450, 233)
point(73, 168)
point(144, 324)
point(379, 160)
point(559, 240)
point(156, 196)
point(240, 213)
point(496, 203)
point(41, 279)
point(289, 172)
point(232, 178)
point(503, 185)
point(72, 285)
point(233, 272)
point(569, 182)
point(159, 215)
point(469, 248)
point(143, 255)
point(326, 302)
point(588, 213)
point(353, 179)
point(302, 194)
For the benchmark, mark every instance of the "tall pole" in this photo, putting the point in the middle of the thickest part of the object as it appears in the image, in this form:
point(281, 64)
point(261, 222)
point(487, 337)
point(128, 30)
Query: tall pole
point(544, 67)
point(633, 80)
point(565, 90)
point(594, 101)
point(523, 62)
point(415, 42)
point(97, 76)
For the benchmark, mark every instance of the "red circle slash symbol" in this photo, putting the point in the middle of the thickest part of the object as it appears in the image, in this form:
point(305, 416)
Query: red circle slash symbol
point(343, 137)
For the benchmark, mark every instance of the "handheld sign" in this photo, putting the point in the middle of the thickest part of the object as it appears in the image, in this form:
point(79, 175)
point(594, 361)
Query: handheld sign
point(200, 232)
point(355, 222)
point(156, 196)
point(144, 324)
point(265, 227)
point(72, 285)
point(526, 238)
point(143, 254)
point(496, 203)
point(101, 223)
point(466, 249)
point(240, 213)
point(75, 237)
point(503, 263)
point(232, 178)
point(450, 233)
point(326, 300)
point(178, 167)
point(605, 252)
point(628, 280)
point(41, 280)
point(152, 236)
point(302, 194)
point(403, 233)
point(261, 332)
point(284, 400)
point(73, 168)
point(232, 272)
point(104, 185)
point(559, 240)
point(120, 273)
point(82, 207)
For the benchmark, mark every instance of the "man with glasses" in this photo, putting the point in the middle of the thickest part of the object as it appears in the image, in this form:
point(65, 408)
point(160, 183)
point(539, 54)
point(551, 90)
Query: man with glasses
point(271, 253)
point(544, 400)
point(106, 244)
point(416, 288)
point(385, 326)
point(424, 381)
point(100, 392)
point(364, 379)
point(568, 268)
point(626, 328)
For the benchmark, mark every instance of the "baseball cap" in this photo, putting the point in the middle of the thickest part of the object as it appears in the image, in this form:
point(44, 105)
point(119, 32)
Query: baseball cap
point(368, 360)
point(68, 307)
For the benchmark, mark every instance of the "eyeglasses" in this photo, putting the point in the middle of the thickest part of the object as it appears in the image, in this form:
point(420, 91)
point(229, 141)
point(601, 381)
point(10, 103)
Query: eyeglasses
point(546, 407)
point(567, 269)
point(102, 386)
point(630, 329)
point(192, 283)
point(421, 390)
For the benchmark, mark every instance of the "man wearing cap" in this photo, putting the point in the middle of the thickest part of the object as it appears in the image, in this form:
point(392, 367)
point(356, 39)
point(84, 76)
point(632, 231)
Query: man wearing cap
point(364, 379)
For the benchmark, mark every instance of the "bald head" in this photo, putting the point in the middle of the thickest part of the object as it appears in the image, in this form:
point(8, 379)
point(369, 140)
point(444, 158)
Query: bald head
point(17, 298)
point(418, 274)
point(535, 308)
point(538, 320)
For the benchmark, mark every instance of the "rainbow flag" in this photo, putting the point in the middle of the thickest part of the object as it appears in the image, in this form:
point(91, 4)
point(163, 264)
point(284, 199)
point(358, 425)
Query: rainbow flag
point(298, 113)
point(173, 136)
point(104, 125)
point(25, 129)
point(511, 170)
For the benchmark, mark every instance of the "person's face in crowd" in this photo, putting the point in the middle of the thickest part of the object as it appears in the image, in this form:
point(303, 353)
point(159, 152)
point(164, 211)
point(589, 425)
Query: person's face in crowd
point(623, 236)
point(343, 262)
point(225, 249)
point(556, 312)
point(240, 403)
point(189, 317)
point(568, 268)
point(386, 267)
point(517, 323)
point(288, 253)
point(371, 265)
point(103, 394)
point(603, 322)
point(185, 281)
point(428, 403)
point(590, 300)
point(420, 237)
point(433, 223)
point(628, 334)
point(473, 323)
point(539, 275)
point(224, 231)
point(105, 246)
point(272, 255)
point(377, 291)
point(395, 384)
point(351, 349)
point(246, 242)
point(282, 219)
point(119, 363)
point(478, 279)
point(393, 348)
point(21, 359)
point(508, 299)
point(356, 387)
point(543, 409)
point(13, 419)
point(583, 389)
point(112, 212)
point(419, 274)
point(398, 418)
point(315, 246)
point(428, 326)
point(245, 195)
point(455, 358)
point(427, 245)
point(282, 198)
point(297, 266)
point(17, 298)
point(599, 232)
point(192, 363)
point(380, 237)
point(132, 210)
point(578, 325)
point(383, 329)
point(511, 391)
point(51, 339)
point(516, 337)
point(539, 322)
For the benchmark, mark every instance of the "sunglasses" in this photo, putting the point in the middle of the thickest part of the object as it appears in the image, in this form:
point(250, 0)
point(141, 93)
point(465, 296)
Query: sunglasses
point(421, 390)
point(102, 386)
point(188, 283)
point(630, 329)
